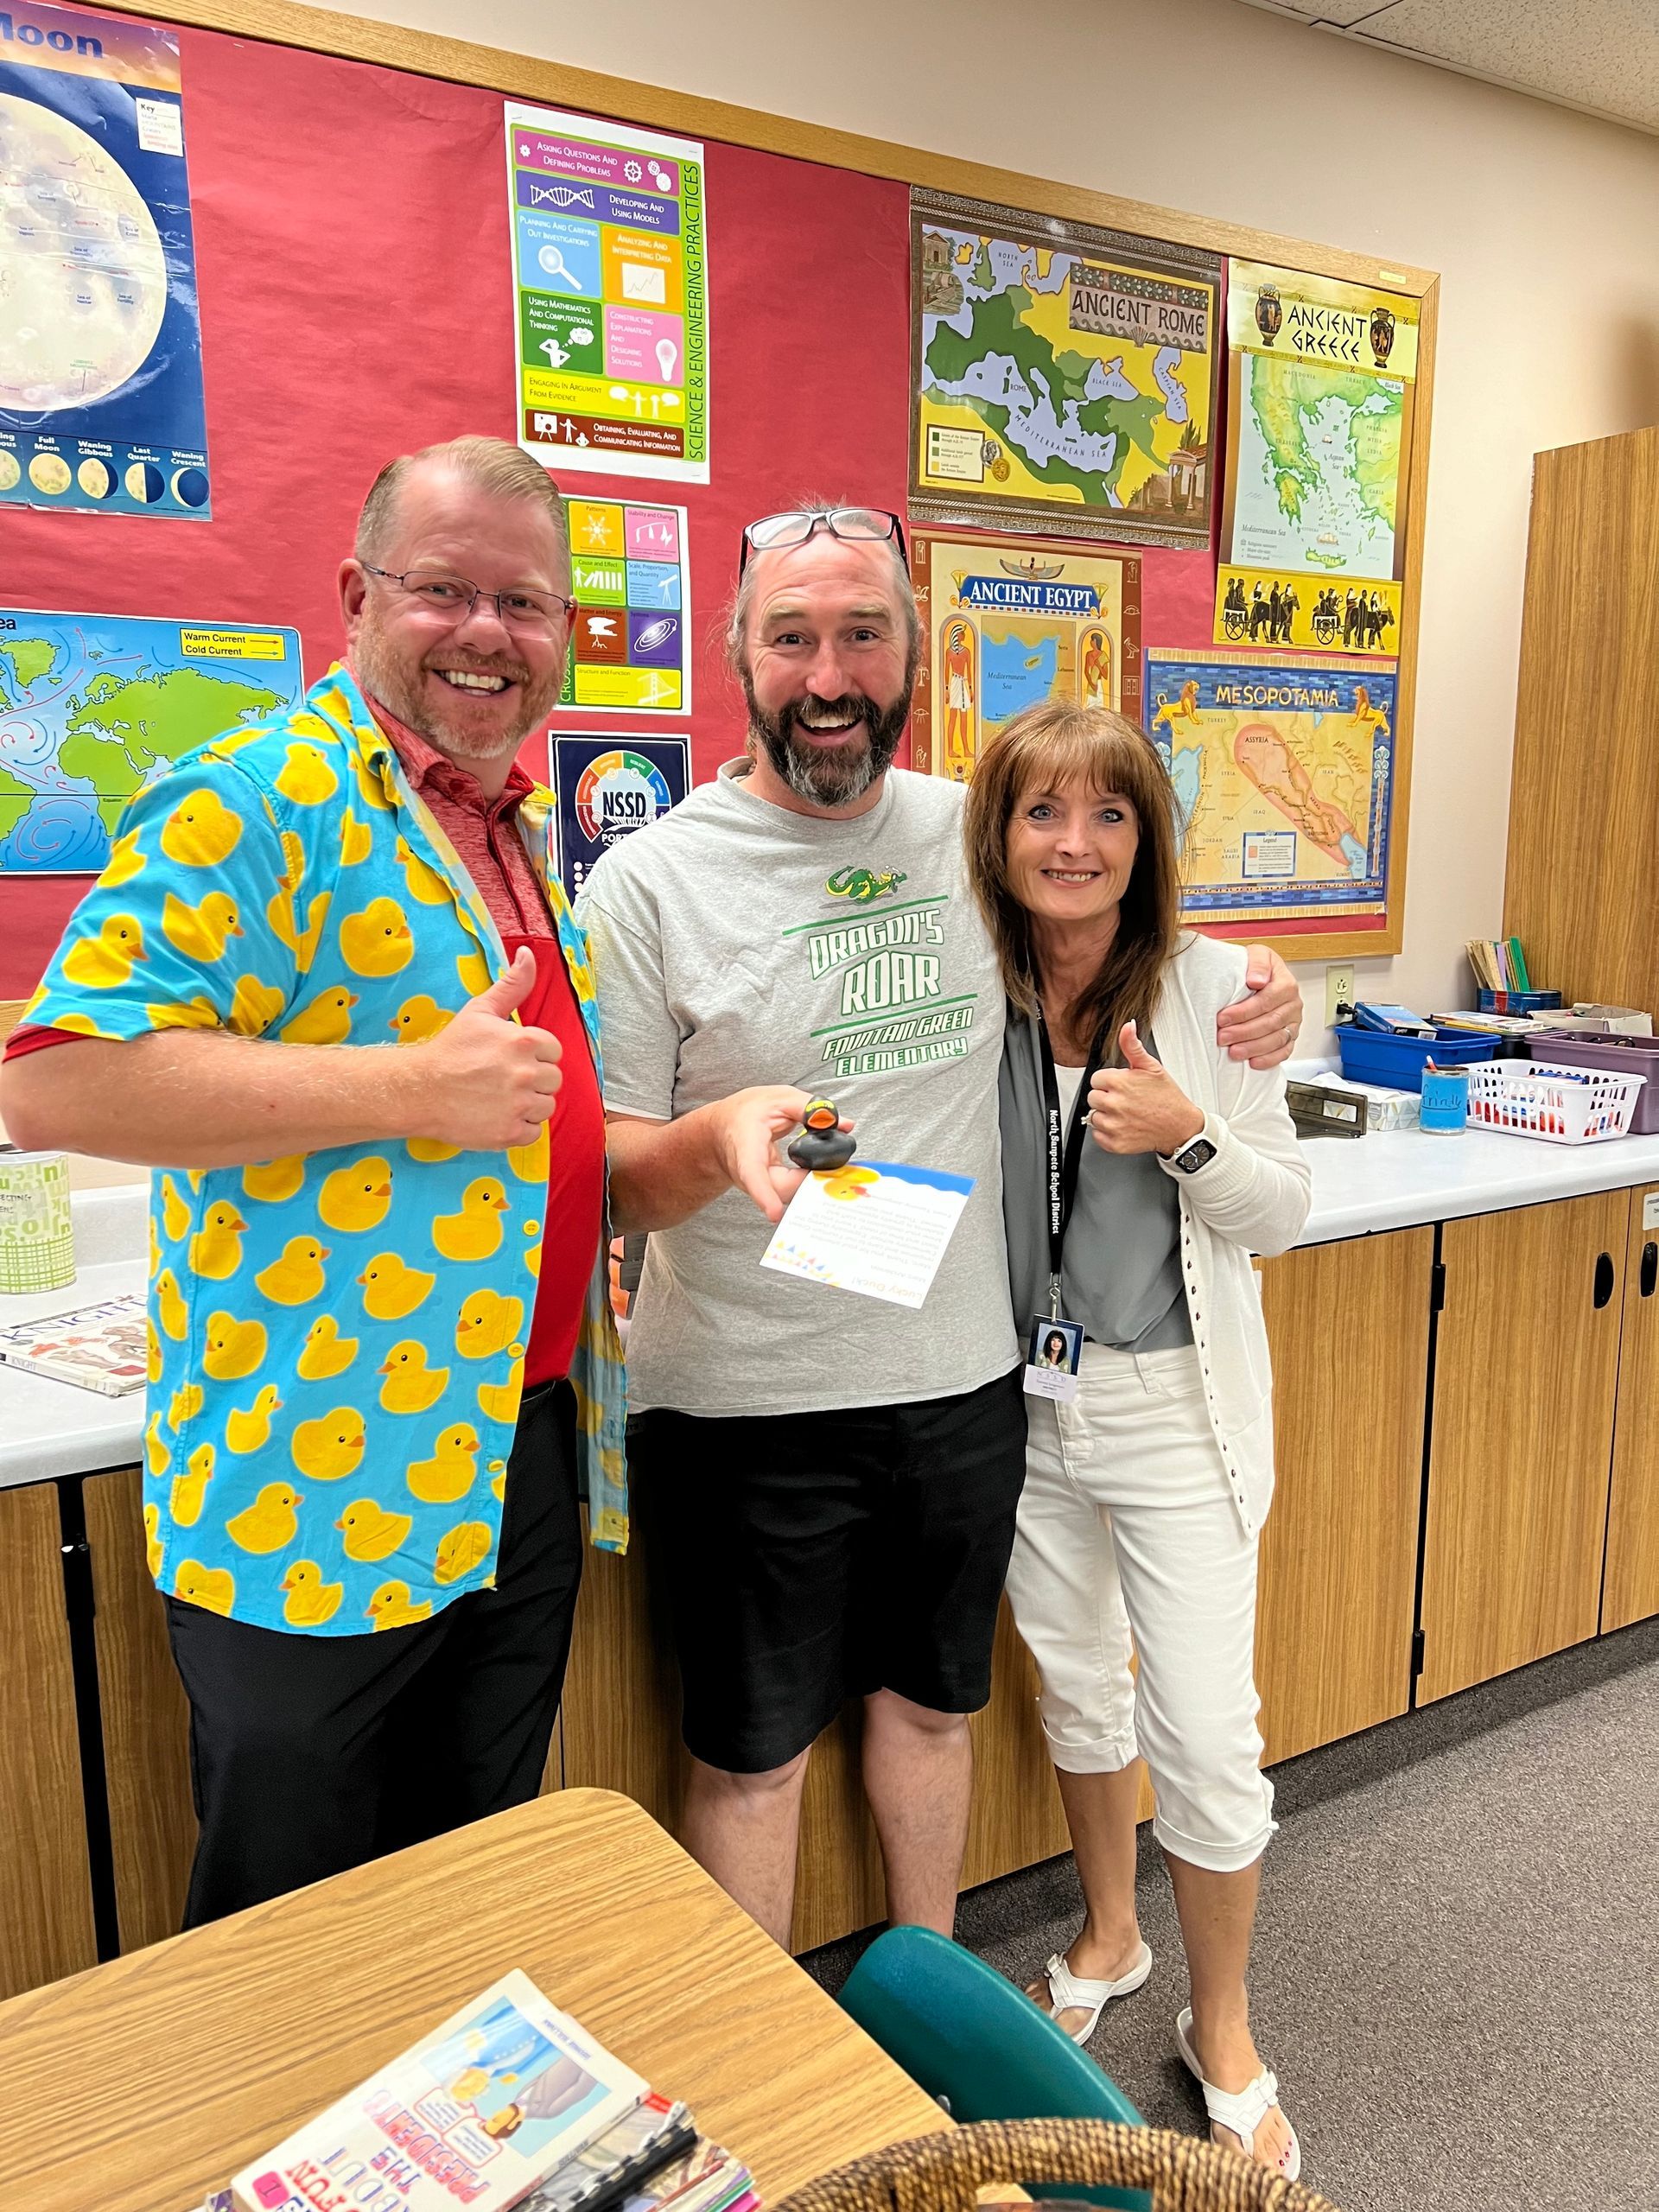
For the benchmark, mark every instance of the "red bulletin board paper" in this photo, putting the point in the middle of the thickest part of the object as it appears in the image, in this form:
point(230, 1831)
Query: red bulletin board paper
point(357, 301)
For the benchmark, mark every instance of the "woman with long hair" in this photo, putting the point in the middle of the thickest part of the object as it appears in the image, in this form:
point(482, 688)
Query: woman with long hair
point(1141, 1168)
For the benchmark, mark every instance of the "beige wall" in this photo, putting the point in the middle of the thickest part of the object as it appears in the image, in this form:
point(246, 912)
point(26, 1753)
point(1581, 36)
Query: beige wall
point(1541, 221)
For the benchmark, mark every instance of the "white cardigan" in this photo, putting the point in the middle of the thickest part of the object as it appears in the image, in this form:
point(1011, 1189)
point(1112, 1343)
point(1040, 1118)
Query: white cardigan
point(1252, 1197)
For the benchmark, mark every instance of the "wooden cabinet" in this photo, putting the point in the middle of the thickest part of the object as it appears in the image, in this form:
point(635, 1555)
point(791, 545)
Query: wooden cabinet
point(46, 1895)
point(1583, 795)
point(1629, 1589)
point(1526, 1369)
point(145, 1717)
point(1347, 1325)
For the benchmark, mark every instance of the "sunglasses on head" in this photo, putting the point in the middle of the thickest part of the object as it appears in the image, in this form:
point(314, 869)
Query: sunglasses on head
point(859, 525)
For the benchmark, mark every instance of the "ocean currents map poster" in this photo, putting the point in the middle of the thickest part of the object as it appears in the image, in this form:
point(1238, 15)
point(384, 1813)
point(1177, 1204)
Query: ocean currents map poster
point(101, 404)
point(1012, 623)
point(1284, 771)
point(93, 705)
point(1062, 378)
point(1321, 379)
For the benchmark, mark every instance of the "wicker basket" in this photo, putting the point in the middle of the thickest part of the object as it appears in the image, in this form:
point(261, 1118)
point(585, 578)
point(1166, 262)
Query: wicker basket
point(945, 2172)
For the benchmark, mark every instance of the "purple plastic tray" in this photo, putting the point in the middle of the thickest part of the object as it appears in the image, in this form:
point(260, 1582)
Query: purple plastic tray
point(1616, 1056)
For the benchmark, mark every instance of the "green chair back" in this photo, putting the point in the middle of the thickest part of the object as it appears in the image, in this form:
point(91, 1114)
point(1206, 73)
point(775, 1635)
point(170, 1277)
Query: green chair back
point(968, 2037)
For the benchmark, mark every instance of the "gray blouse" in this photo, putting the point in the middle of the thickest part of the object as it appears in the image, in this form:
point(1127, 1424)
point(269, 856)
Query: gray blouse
point(1121, 1274)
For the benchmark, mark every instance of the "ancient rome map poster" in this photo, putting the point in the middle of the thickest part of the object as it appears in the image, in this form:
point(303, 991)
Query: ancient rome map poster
point(1062, 378)
point(101, 404)
point(1284, 771)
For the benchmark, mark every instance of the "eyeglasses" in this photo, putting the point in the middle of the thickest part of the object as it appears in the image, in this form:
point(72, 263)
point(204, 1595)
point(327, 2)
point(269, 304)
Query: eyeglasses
point(861, 524)
point(454, 598)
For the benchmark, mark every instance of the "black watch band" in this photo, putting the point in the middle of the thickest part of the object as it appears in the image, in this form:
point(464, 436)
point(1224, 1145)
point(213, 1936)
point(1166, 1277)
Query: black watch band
point(1193, 1156)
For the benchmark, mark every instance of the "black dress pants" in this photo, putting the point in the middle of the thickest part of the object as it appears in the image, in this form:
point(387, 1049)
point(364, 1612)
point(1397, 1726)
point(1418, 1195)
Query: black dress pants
point(310, 1754)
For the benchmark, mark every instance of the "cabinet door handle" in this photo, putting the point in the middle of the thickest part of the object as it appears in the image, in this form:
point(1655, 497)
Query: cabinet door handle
point(1604, 1279)
point(1650, 1268)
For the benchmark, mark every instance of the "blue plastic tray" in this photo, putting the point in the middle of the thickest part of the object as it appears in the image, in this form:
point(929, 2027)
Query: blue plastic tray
point(1374, 1056)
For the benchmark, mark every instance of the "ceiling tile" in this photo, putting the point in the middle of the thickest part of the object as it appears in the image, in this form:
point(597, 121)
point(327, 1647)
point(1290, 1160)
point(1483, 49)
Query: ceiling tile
point(1600, 55)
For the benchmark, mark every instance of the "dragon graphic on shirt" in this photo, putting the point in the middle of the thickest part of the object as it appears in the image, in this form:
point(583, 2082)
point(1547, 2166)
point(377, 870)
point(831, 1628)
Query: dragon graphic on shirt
point(861, 885)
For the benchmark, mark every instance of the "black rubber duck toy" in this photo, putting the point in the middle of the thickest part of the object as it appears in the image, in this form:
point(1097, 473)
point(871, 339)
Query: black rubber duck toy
point(823, 1142)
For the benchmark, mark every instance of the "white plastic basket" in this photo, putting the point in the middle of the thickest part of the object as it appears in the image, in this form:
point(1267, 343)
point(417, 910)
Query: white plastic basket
point(1529, 1098)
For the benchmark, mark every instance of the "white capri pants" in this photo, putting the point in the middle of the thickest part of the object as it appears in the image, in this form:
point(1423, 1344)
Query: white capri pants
point(1127, 1538)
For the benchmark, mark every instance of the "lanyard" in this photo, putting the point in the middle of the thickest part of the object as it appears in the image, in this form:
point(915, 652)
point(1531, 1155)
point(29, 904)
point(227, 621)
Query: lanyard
point(1064, 1154)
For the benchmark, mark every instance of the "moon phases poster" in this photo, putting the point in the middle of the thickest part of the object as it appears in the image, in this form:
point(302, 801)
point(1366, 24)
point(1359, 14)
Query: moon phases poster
point(101, 405)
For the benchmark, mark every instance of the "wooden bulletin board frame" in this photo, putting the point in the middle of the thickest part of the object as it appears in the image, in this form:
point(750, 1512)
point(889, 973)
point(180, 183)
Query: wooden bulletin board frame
point(521, 76)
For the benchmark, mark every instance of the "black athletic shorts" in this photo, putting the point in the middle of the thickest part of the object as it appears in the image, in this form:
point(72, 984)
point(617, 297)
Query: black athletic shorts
point(811, 1558)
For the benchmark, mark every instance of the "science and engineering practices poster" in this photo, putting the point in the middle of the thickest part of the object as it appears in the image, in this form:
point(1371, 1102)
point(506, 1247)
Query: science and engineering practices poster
point(1011, 623)
point(101, 404)
point(610, 283)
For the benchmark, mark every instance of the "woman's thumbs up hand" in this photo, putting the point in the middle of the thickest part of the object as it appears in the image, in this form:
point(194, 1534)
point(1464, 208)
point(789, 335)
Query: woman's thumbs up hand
point(1140, 1107)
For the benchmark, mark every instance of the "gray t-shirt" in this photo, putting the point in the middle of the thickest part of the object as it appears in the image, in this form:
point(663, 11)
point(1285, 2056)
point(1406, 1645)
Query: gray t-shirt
point(736, 943)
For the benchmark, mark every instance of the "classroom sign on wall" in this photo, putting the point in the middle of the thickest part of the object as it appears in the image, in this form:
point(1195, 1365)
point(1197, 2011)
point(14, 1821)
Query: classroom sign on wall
point(100, 337)
point(608, 787)
point(630, 577)
point(611, 288)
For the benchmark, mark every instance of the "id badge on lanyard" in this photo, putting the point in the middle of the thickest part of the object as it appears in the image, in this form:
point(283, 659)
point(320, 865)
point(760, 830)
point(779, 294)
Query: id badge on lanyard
point(1055, 1348)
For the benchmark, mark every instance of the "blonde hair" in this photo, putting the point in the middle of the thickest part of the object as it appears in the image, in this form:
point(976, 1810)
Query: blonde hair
point(1050, 748)
point(506, 472)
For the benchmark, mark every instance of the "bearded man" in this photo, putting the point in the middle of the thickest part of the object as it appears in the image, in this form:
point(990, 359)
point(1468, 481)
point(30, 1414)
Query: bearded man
point(828, 1483)
point(350, 996)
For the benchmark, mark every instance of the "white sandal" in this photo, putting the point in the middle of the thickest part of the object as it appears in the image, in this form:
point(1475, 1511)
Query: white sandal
point(1072, 1993)
point(1241, 2110)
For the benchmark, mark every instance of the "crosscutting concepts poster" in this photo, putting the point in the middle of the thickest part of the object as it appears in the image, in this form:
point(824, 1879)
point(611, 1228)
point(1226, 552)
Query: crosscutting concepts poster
point(1011, 623)
point(100, 333)
point(91, 706)
point(630, 651)
point(1267, 607)
point(1284, 770)
point(610, 279)
point(1321, 378)
point(1062, 378)
point(607, 788)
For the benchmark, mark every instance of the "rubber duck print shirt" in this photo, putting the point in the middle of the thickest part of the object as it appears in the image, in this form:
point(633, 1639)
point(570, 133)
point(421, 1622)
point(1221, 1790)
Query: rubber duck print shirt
point(332, 1394)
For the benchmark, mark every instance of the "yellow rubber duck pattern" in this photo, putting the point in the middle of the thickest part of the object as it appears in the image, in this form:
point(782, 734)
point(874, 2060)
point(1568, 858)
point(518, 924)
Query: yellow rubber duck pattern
point(337, 1339)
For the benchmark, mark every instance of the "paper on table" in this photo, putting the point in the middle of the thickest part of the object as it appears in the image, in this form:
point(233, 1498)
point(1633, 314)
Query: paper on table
point(874, 1226)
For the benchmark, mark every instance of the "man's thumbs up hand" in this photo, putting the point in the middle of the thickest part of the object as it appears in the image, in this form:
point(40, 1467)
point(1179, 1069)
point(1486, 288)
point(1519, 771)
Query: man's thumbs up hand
point(487, 1082)
point(1140, 1107)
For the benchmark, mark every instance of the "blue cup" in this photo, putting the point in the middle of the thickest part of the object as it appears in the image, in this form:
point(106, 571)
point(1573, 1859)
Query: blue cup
point(1445, 1101)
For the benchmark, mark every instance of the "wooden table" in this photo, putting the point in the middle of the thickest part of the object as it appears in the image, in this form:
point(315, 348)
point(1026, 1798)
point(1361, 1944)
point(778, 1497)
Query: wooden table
point(139, 2086)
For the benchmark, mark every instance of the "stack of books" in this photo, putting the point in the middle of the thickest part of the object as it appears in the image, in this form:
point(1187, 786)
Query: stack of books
point(1499, 964)
point(508, 2103)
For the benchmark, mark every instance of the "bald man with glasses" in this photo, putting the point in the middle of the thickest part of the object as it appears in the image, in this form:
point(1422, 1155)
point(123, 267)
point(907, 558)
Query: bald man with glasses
point(353, 999)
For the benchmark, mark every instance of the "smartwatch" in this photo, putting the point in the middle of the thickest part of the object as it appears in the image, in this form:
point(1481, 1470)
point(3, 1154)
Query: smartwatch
point(1193, 1156)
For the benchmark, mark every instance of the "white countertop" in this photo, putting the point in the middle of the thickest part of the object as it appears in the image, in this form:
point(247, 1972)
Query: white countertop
point(49, 1428)
point(1360, 1187)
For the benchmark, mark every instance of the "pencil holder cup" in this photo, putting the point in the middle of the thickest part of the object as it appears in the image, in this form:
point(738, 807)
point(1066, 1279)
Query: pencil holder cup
point(1445, 1101)
point(38, 1244)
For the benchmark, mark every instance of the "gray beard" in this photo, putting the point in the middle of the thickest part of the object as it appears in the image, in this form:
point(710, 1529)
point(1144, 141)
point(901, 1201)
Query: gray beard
point(830, 780)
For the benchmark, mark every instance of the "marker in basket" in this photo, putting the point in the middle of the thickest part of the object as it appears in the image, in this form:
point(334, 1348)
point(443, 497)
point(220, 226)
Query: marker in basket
point(1445, 1101)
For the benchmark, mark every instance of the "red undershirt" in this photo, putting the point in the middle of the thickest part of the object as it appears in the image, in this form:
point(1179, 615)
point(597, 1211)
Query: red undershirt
point(486, 840)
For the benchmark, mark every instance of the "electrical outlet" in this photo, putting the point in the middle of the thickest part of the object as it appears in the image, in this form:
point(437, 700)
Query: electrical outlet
point(1338, 991)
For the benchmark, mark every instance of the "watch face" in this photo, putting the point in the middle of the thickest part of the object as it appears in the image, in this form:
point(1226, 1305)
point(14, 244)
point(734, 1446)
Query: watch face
point(1197, 1154)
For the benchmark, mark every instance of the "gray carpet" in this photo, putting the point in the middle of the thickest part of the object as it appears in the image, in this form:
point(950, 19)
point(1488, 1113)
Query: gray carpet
point(1456, 1961)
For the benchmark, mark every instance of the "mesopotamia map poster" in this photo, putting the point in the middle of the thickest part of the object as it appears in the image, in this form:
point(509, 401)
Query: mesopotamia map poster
point(1012, 623)
point(1062, 377)
point(1284, 772)
point(101, 403)
point(93, 706)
